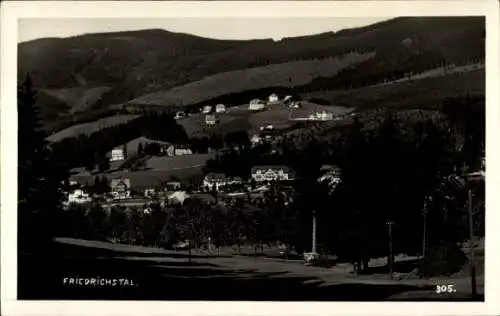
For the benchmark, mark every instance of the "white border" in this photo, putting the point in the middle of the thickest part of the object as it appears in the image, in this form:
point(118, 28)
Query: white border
point(12, 10)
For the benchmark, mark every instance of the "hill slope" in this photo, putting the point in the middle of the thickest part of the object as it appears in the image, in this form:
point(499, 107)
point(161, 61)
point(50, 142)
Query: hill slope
point(136, 63)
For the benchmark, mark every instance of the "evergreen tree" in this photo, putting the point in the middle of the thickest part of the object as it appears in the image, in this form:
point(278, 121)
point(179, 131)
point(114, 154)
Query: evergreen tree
point(102, 163)
point(40, 181)
point(106, 187)
point(97, 185)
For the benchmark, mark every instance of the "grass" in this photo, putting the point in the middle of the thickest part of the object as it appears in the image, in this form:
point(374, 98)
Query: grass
point(91, 127)
point(177, 162)
point(195, 124)
point(284, 74)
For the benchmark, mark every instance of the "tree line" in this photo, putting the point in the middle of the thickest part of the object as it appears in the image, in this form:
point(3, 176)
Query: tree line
point(195, 221)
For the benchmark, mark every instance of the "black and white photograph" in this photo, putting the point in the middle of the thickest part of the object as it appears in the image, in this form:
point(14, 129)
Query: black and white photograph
point(251, 158)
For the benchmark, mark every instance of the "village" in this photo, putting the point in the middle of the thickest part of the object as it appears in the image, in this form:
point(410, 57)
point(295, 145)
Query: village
point(144, 154)
point(341, 164)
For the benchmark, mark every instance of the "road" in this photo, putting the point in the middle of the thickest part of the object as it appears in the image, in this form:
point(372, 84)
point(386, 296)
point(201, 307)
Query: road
point(169, 275)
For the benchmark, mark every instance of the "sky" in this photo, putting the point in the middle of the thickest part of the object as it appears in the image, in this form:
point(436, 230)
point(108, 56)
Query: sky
point(217, 28)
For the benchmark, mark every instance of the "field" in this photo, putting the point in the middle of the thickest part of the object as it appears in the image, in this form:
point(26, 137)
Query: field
point(419, 94)
point(240, 118)
point(194, 125)
point(285, 74)
point(79, 99)
point(91, 127)
point(157, 169)
point(177, 162)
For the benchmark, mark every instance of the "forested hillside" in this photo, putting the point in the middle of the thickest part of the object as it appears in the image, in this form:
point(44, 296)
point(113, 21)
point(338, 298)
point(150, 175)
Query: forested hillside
point(126, 65)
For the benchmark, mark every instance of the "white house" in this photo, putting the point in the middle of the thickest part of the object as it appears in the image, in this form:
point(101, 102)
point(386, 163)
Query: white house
point(217, 179)
point(267, 128)
point(211, 120)
point(207, 109)
point(272, 173)
point(120, 188)
point(178, 197)
point(117, 154)
point(220, 108)
point(235, 180)
point(79, 196)
point(179, 115)
point(324, 116)
point(256, 105)
point(149, 193)
point(273, 98)
point(181, 150)
point(256, 139)
point(172, 185)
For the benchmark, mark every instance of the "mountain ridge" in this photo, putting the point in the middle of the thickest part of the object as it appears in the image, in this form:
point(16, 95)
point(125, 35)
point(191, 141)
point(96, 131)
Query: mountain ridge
point(137, 63)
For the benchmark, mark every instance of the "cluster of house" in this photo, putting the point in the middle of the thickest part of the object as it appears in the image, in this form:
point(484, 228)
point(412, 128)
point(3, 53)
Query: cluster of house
point(121, 153)
point(78, 194)
point(259, 174)
point(212, 112)
point(266, 134)
point(216, 181)
point(120, 189)
point(259, 105)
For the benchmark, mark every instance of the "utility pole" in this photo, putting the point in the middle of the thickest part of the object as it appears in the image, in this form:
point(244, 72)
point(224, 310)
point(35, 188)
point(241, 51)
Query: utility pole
point(391, 255)
point(313, 250)
point(472, 247)
point(464, 182)
point(424, 235)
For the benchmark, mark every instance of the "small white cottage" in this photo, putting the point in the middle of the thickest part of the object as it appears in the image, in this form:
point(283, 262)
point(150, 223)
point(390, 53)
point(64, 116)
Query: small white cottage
point(220, 108)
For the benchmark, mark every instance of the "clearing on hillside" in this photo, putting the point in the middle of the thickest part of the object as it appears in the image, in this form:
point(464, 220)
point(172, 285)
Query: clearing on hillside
point(91, 127)
point(78, 99)
point(285, 74)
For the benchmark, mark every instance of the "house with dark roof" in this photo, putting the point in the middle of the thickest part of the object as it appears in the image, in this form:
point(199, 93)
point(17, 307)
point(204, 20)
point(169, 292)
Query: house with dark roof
point(330, 174)
point(120, 188)
point(214, 179)
point(272, 173)
point(256, 105)
point(219, 180)
point(211, 119)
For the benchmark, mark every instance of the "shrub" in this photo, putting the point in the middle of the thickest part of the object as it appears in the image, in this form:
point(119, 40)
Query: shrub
point(443, 260)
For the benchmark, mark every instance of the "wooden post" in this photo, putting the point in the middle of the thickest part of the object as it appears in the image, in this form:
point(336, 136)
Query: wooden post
point(391, 255)
point(313, 250)
point(424, 236)
point(472, 247)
